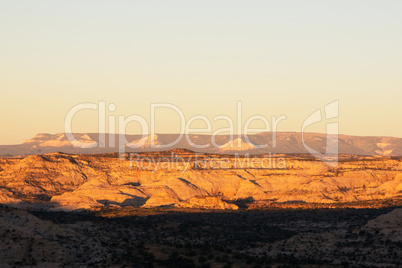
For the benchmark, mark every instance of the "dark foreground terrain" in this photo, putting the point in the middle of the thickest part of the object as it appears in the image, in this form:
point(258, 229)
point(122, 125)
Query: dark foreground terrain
point(195, 238)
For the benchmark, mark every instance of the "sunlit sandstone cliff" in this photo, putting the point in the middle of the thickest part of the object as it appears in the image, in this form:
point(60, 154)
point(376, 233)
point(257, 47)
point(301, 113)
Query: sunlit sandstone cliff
point(62, 181)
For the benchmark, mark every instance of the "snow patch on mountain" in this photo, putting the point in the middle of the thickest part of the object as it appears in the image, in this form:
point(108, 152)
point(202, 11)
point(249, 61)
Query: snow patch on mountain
point(150, 141)
point(237, 145)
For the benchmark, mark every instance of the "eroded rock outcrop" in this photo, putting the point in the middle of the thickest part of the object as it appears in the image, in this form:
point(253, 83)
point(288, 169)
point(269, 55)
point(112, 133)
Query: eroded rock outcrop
point(207, 202)
point(390, 225)
point(95, 181)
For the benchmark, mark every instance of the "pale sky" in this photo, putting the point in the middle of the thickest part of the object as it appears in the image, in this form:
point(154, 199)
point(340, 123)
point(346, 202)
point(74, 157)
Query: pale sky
point(276, 57)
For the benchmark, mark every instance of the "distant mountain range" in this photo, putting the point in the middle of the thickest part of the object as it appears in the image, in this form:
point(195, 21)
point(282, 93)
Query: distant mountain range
point(286, 142)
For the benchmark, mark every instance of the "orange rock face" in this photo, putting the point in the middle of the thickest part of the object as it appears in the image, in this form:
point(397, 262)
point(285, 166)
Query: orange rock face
point(64, 181)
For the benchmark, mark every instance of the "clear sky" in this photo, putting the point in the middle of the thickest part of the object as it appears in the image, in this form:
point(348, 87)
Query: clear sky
point(277, 57)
